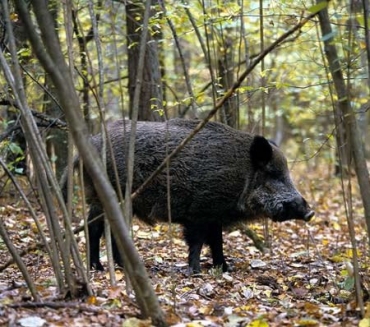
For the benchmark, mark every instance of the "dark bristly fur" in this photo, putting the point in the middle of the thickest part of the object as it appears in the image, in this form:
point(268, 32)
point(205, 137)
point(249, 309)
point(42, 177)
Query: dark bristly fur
point(221, 177)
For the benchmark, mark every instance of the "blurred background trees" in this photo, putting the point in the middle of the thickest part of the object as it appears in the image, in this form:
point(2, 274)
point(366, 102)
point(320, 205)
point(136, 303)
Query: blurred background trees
point(195, 53)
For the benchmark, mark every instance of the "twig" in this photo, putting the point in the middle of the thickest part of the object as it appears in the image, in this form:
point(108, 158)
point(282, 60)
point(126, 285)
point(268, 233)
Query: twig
point(58, 305)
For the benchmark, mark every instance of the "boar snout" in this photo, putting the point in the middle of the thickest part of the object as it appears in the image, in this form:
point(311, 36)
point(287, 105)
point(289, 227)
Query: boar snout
point(308, 213)
point(298, 209)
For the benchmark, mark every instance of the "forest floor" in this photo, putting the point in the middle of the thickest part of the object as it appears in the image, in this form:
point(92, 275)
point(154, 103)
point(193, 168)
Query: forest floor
point(305, 277)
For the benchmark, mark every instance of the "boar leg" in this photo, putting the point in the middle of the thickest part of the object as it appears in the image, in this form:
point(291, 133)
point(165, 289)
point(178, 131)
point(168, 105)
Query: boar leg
point(214, 240)
point(195, 236)
point(116, 256)
point(96, 230)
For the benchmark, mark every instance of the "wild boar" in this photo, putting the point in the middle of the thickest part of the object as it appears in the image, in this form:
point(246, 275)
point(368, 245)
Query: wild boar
point(221, 177)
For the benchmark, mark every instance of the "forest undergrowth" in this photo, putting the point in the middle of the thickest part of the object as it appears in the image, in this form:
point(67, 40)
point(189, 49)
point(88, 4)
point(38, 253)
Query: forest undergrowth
point(303, 278)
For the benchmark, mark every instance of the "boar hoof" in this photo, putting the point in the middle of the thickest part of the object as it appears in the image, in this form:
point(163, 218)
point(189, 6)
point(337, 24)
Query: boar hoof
point(225, 267)
point(194, 270)
point(97, 266)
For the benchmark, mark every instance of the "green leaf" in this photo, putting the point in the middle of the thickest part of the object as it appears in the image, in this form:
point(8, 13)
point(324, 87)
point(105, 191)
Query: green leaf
point(316, 8)
point(19, 171)
point(53, 158)
point(349, 283)
point(15, 148)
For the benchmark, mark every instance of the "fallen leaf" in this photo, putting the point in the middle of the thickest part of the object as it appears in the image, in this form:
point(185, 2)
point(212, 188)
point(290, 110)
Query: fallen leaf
point(32, 321)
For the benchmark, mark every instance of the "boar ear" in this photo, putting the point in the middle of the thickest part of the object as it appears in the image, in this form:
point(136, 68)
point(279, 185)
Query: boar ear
point(260, 152)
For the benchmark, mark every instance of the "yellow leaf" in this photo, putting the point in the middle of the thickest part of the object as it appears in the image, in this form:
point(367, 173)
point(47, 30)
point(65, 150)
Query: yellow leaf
point(325, 242)
point(316, 8)
point(336, 226)
point(268, 293)
point(338, 258)
point(308, 322)
point(207, 310)
point(91, 300)
point(113, 304)
point(367, 312)
point(362, 45)
point(119, 274)
point(364, 322)
point(258, 323)
point(349, 253)
point(134, 322)
point(145, 235)
point(311, 308)
point(193, 324)
point(243, 308)
point(14, 17)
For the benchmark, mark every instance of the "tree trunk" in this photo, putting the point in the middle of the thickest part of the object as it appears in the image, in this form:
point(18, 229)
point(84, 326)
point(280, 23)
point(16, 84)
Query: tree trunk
point(225, 65)
point(151, 99)
point(56, 139)
point(349, 118)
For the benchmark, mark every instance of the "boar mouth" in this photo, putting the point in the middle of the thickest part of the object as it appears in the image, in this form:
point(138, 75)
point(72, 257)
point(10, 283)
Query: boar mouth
point(286, 216)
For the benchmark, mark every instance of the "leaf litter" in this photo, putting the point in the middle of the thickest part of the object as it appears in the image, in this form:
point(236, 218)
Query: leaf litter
point(304, 278)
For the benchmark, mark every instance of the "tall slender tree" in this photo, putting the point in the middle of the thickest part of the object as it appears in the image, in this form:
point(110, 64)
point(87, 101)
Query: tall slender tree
point(151, 99)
